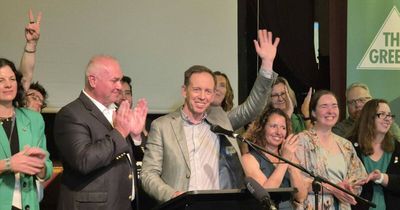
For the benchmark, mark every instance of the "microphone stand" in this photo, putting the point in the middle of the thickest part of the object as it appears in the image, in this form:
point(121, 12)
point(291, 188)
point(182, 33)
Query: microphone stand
point(317, 180)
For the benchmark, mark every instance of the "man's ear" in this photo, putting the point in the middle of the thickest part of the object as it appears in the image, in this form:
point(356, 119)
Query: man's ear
point(183, 91)
point(92, 80)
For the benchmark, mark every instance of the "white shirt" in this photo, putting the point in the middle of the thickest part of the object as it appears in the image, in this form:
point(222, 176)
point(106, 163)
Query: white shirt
point(203, 148)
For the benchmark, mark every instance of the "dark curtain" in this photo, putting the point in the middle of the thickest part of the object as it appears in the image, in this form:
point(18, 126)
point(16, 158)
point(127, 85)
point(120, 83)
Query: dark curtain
point(293, 22)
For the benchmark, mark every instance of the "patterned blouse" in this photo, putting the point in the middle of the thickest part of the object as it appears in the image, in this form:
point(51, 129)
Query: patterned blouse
point(314, 158)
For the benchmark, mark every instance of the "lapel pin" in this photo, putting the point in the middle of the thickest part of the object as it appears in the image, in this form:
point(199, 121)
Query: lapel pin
point(396, 159)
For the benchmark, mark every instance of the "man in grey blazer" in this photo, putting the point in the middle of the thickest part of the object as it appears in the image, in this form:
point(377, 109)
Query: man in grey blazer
point(94, 142)
point(182, 153)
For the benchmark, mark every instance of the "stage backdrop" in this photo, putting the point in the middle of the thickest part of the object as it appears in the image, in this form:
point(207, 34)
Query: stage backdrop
point(373, 48)
point(154, 40)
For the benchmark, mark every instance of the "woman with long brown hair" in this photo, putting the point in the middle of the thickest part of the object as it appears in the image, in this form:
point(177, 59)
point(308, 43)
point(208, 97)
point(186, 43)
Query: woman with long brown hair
point(273, 133)
point(379, 152)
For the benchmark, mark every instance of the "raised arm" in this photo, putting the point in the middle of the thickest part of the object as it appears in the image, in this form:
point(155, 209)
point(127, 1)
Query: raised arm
point(247, 111)
point(32, 34)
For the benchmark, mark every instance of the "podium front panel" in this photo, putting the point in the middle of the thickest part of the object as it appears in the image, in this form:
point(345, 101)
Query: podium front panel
point(233, 199)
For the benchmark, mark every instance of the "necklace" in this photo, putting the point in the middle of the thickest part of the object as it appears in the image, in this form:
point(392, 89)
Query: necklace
point(2, 120)
point(7, 119)
point(12, 121)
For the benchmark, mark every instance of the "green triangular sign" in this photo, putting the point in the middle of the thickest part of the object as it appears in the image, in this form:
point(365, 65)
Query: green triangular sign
point(384, 51)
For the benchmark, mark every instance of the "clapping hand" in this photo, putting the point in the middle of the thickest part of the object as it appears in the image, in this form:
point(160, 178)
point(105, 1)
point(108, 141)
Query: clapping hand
point(139, 114)
point(30, 161)
point(342, 196)
point(122, 119)
point(289, 146)
point(373, 176)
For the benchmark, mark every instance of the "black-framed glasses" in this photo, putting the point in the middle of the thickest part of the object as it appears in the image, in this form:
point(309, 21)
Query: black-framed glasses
point(277, 95)
point(385, 116)
point(361, 100)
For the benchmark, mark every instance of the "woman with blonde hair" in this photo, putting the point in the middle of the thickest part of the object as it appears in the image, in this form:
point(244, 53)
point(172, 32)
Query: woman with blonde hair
point(284, 98)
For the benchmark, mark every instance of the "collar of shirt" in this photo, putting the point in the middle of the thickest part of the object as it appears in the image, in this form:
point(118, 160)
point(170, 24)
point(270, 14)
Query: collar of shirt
point(187, 119)
point(107, 111)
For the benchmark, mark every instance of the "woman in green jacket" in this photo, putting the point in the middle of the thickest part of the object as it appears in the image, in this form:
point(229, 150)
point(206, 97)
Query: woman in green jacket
point(23, 155)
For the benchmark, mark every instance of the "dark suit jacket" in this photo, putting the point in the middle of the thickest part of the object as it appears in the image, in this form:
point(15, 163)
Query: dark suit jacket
point(97, 171)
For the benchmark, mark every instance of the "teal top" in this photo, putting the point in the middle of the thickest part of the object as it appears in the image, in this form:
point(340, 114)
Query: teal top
point(298, 124)
point(382, 164)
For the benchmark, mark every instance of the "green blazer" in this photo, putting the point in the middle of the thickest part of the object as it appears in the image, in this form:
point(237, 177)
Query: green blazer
point(30, 127)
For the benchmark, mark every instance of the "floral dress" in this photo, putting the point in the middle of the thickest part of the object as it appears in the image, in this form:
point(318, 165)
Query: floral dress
point(315, 159)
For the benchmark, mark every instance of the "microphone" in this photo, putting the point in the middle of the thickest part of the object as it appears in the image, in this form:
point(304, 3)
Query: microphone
point(259, 193)
point(220, 130)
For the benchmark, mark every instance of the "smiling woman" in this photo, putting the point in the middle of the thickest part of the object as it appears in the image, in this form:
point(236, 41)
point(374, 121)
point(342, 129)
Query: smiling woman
point(329, 156)
point(271, 131)
point(223, 92)
point(379, 152)
point(20, 128)
point(283, 97)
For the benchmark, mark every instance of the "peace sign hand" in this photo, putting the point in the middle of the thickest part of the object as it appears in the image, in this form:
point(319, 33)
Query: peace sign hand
point(32, 30)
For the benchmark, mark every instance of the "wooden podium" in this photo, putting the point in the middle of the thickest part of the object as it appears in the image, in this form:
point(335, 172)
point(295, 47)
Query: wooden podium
point(233, 199)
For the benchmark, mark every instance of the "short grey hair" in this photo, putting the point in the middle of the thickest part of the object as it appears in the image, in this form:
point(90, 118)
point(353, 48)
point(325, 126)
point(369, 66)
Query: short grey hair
point(357, 84)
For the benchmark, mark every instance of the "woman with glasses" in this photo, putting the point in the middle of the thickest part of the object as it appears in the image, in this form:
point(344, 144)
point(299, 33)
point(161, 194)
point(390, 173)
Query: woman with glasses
point(23, 155)
point(329, 155)
point(273, 133)
point(36, 97)
point(283, 97)
point(379, 153)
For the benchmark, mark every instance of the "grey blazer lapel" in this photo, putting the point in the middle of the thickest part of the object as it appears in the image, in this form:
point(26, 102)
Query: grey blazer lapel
point(179, 133)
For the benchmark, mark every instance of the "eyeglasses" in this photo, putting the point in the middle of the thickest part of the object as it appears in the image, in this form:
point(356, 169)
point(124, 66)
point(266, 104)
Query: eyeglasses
point(361, 100)
point(38, 99)
point(278, 95)
point(385, 116)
